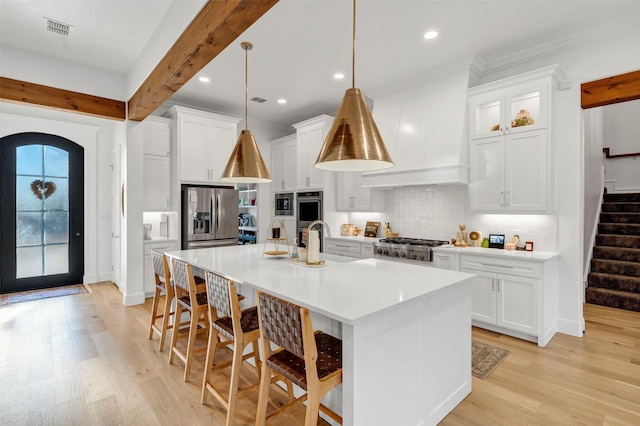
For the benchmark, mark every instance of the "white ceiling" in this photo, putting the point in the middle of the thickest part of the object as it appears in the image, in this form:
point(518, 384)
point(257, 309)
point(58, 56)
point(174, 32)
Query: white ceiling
point(300, 44)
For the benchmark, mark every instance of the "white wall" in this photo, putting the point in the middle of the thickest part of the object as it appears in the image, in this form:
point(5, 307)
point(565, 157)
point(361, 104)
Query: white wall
point(24, 66)
point(622, 137)
point(97, 137)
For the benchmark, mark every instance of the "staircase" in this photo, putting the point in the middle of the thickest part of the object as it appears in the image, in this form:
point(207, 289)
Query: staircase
point(614, 279)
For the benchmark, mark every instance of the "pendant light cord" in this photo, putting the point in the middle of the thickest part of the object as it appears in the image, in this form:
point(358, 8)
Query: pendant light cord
point(353, 49)
point(246, 88)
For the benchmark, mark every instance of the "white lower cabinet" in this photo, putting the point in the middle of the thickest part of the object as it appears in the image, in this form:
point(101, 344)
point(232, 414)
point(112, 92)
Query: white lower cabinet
point(161, 246)
point(512, 295)
point(355, 248)
point(366, 251)
point(343, 248)
point(445, 260)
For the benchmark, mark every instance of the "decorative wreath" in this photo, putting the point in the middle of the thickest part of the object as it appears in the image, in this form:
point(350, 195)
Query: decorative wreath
point(40, 188)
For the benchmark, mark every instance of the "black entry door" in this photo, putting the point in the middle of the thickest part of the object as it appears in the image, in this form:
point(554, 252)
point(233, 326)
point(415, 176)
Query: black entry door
point(41, 212)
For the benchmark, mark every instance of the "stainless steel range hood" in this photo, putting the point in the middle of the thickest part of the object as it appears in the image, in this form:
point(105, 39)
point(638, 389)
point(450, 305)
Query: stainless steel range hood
point(424, 126)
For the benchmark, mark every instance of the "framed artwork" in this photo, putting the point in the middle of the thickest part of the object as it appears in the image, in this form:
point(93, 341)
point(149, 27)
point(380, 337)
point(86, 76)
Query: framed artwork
point(528, 246)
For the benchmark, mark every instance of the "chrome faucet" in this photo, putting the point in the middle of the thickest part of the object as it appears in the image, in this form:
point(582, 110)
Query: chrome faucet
point(319, 222)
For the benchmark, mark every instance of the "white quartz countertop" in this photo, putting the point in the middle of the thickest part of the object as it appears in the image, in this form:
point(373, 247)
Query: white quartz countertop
point(540, 256)
point(345, 291)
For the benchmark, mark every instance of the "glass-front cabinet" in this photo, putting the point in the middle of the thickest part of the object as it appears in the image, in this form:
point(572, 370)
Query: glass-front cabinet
point(511, 143)
point(513, 110)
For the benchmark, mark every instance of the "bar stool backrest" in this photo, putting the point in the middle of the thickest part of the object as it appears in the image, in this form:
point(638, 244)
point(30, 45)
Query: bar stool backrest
point(160, 266)
point(218, 294)
point(281, 323)
point(182, 275)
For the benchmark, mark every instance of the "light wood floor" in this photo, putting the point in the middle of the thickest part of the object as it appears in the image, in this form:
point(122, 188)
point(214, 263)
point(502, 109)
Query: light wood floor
point(85, 359)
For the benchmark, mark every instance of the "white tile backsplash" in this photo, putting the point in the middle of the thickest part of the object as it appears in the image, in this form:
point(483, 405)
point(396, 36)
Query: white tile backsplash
point(436, 212)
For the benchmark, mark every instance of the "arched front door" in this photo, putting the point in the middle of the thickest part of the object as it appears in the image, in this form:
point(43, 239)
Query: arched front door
point(41, 212)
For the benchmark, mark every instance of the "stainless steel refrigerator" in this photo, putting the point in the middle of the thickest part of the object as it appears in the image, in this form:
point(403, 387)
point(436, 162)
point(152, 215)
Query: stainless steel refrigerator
point(209, 217)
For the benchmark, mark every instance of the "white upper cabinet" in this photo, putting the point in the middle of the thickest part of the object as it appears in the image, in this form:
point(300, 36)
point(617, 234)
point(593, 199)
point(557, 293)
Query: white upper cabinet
point(351, 196)
point(310, 136)
point(522, 108)
point(156, 136)
point(284, 170)
point(512, 166)
point(205, 141)
point(156, 164)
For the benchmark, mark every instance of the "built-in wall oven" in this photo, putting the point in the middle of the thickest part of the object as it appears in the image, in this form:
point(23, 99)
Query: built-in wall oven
point(283, 204)
point(309, 209)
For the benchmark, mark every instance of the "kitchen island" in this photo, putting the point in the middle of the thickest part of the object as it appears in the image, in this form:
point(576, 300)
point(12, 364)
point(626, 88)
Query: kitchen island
point(406, 329)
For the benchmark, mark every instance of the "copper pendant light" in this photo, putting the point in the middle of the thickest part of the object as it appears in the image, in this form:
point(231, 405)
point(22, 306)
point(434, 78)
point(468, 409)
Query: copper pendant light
point(246, 164)
point(353, 142)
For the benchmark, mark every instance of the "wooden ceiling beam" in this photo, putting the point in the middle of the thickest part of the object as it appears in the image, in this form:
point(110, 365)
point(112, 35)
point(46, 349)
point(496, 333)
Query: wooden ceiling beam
point(217, 25)
point(610, 90)
point(51, 97)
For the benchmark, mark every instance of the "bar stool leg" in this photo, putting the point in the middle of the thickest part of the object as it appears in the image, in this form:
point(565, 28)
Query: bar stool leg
point(236, 367)
point(175, 331)
point(165, 321)
point(154, 311)
point(208, 364)
point(263, 396)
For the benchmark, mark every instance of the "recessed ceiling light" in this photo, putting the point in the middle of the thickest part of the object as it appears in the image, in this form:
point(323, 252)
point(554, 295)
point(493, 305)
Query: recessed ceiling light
point(429, 35)
point(204, 79)
point(338, 76)
point(282, 101)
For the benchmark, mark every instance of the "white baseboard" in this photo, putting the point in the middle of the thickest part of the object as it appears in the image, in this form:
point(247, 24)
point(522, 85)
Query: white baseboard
point(572, 328)
point(133, 299)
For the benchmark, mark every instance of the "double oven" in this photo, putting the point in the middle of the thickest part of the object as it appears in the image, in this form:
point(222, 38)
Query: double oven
point(308, 210)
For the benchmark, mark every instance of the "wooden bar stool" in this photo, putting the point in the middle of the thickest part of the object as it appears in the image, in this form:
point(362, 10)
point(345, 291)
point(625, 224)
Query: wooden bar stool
point(164, 286)
point(311, 360)
point(229, 325)
point(192, 298)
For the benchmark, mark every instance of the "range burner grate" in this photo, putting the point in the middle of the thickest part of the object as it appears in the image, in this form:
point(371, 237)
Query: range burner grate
point(414, 242)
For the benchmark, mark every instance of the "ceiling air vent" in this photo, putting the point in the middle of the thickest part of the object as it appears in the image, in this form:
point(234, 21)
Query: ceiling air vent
point(259, 100)
point(57, 27)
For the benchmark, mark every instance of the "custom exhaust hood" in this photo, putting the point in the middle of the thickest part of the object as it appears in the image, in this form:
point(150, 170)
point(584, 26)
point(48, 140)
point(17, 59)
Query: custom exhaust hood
point(425, 130)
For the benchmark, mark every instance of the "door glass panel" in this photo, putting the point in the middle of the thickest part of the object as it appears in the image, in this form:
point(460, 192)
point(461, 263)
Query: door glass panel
point(42, 211)
point(28, 260)
point(56, 259)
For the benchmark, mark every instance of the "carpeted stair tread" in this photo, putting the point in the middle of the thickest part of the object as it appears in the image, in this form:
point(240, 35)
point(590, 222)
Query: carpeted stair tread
point(621, 207)
point(624, 241)
point(619, 228)
point(620, 217)
point(633, 197)
point(616, 267)
point(613, 298)
point(616, 253)
point(614, 282)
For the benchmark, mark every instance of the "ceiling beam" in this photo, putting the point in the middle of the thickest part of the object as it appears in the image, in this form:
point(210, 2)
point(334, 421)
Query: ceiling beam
point(51, 97)
point(217, 25)
point(610, 90)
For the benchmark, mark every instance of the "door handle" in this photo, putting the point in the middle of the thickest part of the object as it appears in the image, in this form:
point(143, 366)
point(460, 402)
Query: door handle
point(501, 198)
point(493, 284)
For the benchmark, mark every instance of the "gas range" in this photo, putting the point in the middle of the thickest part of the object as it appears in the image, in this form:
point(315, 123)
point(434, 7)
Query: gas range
point(410, 250)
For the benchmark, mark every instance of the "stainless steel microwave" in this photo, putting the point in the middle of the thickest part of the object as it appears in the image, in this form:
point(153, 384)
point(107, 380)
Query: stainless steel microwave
point(283, 204)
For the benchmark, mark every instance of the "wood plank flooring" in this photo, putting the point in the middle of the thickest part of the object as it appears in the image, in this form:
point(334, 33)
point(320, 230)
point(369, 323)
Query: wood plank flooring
point(85, 359)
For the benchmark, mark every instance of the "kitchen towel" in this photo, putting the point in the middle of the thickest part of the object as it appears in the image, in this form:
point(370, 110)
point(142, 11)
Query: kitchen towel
point(314, 247)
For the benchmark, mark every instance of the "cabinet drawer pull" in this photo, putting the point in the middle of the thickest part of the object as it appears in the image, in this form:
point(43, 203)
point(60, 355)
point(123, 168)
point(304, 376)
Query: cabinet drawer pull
point(497, 266)
point(343, 246)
